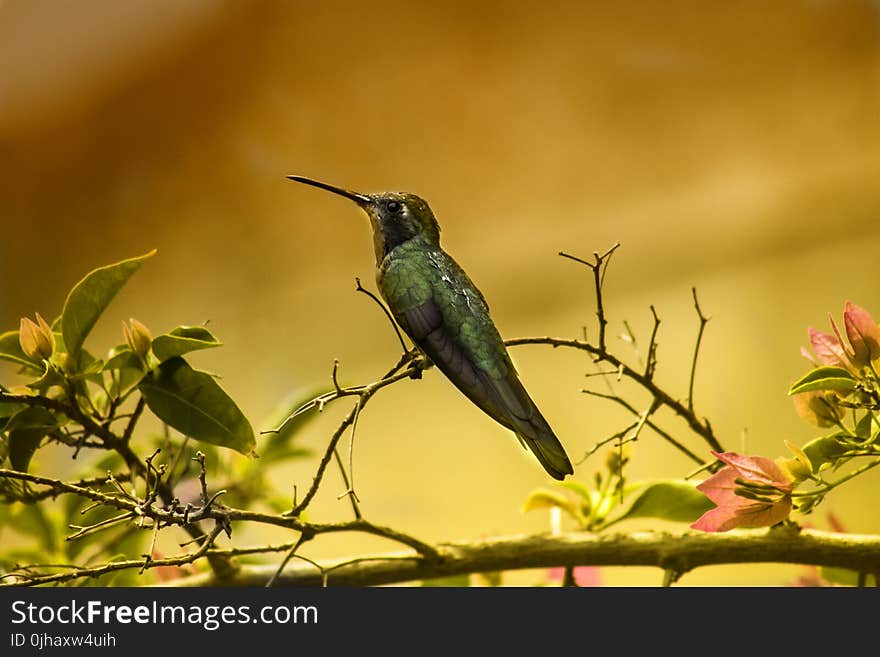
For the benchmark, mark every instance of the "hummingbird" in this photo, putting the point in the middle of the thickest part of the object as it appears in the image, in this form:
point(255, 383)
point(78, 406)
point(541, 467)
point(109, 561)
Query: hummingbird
point(446, 316)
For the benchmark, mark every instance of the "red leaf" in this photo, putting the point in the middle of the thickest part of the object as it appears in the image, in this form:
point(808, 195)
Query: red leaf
point(756, 468)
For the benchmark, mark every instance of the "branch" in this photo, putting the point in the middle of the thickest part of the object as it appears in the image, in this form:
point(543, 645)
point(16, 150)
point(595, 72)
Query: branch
point(651, 365)
point(223, 515)
point(364, 393)
point(702, 429)
point(23, 579)
point(703, 321)
point(361, 288)
point(677, 553)
point(118, 444)
point(663, 434)
point(599, 267)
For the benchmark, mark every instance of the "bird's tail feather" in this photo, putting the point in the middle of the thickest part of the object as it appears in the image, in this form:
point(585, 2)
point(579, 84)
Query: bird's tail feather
point(540, 439)
point(524, 418)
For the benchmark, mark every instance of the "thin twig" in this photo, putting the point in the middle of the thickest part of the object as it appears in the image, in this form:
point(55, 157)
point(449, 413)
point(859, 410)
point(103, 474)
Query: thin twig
point(599, 267)
point(203, 482)
point(659, 431)
point(114, 566)
point(81, 531)
point(303, 537)
point(364, 393)
point(651, 365)
point(703, 321)
point(361, 288)
point(701, 428)
point(132, 421)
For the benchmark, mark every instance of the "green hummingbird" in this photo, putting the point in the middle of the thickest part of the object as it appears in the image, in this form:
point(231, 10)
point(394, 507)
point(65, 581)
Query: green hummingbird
point(438, 306)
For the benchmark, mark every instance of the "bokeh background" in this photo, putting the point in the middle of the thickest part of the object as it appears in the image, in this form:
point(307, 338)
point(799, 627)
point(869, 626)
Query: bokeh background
point(734, 147)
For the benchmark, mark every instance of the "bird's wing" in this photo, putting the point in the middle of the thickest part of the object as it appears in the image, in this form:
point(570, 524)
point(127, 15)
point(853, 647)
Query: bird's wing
point(439, 308)
point(447, 317)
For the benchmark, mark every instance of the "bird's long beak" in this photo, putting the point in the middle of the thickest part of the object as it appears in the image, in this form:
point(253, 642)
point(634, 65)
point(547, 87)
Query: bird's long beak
point(361, 199)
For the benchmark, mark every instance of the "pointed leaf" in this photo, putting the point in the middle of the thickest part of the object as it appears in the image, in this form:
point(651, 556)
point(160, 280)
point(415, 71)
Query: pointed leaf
point(675, 500)
point(23, 444)
point(183, 340)
point(25, 430)
point(194, 403)
point(825, 378)
point(91, 296)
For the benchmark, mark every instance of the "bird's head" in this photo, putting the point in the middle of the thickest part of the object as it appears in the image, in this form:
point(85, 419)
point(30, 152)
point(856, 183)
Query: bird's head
point(396, 217)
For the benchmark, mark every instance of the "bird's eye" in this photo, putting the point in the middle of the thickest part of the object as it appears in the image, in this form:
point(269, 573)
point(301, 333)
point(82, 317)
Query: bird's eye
point(394, 207)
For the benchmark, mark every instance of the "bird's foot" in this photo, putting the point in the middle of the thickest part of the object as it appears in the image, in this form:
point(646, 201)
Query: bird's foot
point(421, 362)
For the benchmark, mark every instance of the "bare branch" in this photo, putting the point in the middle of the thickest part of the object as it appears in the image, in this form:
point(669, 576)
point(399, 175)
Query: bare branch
point(651, 364)
point(364, 393)
point(361, 288)
point(598, 268)
point(701, 428)
point(20, 579)
point(703, 321)
point(663, 434)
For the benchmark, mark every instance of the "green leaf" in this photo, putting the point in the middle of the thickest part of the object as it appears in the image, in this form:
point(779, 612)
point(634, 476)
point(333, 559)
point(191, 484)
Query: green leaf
point(826, 450)
point(183, 340)
point(127, 369)
point(825, 378)
point(32, 417)
point(87, 368)
point(675, 500)
point(49, 377)
point(547, 499)
point(868, 427)
point(122, 357)
point(193, 403)
point(8, 409)
point(588, 497)
point(10, 350)
point(25, 430)
point(91, 296)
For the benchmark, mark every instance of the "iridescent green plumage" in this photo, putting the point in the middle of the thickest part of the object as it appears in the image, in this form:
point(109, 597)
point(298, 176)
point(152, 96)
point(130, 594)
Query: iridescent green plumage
point(442, 311)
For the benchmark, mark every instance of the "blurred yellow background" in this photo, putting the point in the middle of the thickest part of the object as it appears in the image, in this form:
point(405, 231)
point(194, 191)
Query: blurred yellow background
point(734, 147)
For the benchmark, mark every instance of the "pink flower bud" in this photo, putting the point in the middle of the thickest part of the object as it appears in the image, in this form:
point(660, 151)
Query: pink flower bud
point(863, 334)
